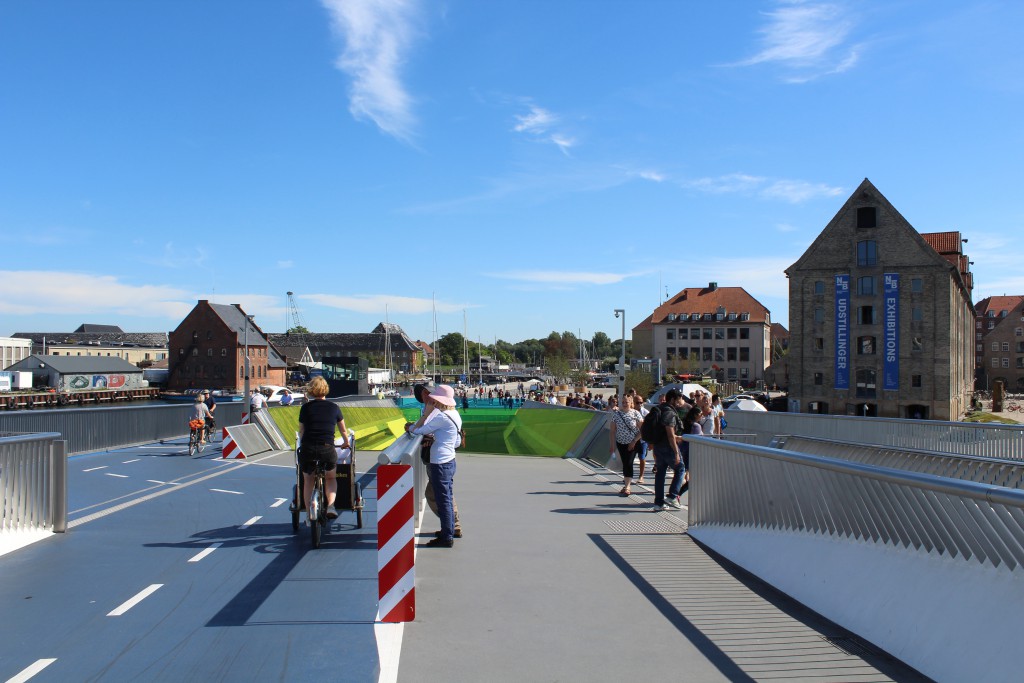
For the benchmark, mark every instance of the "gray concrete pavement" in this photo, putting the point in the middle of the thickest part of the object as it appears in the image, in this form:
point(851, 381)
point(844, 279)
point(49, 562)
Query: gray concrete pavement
point(558, 578)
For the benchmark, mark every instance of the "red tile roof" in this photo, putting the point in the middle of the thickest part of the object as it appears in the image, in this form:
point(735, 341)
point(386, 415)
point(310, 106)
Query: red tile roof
point(944, 242)
point(707, 300)
point(645, 324)
point(997, 304)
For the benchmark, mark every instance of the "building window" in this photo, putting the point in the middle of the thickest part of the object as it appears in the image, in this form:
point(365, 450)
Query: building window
point(719, 355)
point(684, 353)
point(866, 285)
point(744, 333)
point(744, 373)
point(866, 382)
point(819, 286)
point(209, 353)
point(719, 333)
point(707, 332)
point(1006, 362)
point(1018, 332)
point(819, 315)
point(223, 353)
point(915, 381)
point(1020, 347)
point(731, 355)
point(683, 333)
point(695, 334)
point(866, 315)
point(819, 343)
point(979, 335)
point(195, 351)
point(181, 352)
point(980, 348)
point(241, 372)
point(670, 334)
point(1006, 346)
point(995, 346)
point(916, 285)
point(918, 343)
point(209, 335)
point(991, 324)
point(867, 217)
point(732, 374)
point(916, 314)
point(866, 346)
point(670, 353)
point(744, 354)
point(731, 333)
point(867, 253)
point(819, 379)
point(1020, 363)
point(707, 353)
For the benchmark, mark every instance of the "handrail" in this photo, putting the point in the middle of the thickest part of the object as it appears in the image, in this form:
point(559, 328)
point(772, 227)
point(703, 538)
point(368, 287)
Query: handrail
point(739, 485)
point(33, 482)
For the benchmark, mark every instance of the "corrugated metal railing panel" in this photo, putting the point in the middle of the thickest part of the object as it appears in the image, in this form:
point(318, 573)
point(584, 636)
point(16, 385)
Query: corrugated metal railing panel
point(988, 440)
point(993, 471)
point(94, 429)
point(27, 495)
point(737, 485)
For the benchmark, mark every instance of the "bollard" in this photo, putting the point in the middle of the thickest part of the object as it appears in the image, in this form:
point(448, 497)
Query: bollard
point(396, 577)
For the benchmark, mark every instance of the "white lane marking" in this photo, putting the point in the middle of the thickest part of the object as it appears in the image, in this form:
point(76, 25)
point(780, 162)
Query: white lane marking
point(111, 474)
point(278, 502)
point(206, 552)
point(125, 462)
point(237, 493)
point(251, 522)
point(93, 469)
point(30, 671)
point(139, 597)
point(165, 483)
point(164, 447)
point(389, 649)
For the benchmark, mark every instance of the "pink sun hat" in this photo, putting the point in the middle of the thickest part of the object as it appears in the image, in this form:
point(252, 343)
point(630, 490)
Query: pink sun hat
point(443, 393)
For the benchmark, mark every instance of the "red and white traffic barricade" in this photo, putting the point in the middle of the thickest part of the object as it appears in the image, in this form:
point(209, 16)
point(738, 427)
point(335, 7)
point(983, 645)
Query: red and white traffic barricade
point(396, 577)
point(229, 449)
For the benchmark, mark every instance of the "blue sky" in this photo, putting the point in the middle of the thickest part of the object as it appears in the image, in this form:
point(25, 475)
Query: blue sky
point(531, 164)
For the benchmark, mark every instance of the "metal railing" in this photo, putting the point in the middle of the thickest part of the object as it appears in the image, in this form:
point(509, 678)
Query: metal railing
point(1008, 473)
point(33, 483)
point(95, 429)
point(752, 487)
point(965, 438)
point(406, 451)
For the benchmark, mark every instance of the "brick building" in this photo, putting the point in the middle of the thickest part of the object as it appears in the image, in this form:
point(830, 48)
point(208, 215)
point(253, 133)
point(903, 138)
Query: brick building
point(207, 350)
point(999, 342)
point(720, 332)
point(881, 318)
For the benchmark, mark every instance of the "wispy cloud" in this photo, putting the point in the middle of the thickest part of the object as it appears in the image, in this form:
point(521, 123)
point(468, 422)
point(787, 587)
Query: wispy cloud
point(544, 126)
point(377, 303)
point(807, 39)
point(559, 278)
point(51, 292)
point(792, 191)
point(378, 35)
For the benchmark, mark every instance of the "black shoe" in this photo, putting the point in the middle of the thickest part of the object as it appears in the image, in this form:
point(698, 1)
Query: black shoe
point(331, 512)
point(440, 543)
point(458, 534)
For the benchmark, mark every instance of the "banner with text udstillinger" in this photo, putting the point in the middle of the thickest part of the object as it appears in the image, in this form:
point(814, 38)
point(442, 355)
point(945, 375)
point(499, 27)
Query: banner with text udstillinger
point(842, 332)
point(891, 333)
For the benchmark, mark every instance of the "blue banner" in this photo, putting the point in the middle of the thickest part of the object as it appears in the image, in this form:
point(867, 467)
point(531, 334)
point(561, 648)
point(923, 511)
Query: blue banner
point(891, 333)
point(842, 332)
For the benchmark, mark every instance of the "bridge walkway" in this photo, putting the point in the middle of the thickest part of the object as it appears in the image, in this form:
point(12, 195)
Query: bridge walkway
point(557, 579)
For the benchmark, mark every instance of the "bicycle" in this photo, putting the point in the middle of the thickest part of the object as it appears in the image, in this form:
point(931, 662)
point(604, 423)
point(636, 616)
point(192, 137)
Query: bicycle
point(196, 434)
point(211, 431)
point(317, 513)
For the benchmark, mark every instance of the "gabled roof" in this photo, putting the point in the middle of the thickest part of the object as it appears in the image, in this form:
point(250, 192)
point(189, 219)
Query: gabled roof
point(712, 299)
point(998, 304)
point(427, 349)
point(88, 328)
point(235, 318)
point(149, 339)
point(67, 365)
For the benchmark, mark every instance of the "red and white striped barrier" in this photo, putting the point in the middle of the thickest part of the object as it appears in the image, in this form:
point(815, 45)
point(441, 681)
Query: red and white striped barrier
point(396, 576)
point(230, 449)
point(245, 416)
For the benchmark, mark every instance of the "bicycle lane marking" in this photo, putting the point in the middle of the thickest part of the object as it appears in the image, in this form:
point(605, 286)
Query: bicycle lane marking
point(136, 599)
point(162, 492)
point(31, 670)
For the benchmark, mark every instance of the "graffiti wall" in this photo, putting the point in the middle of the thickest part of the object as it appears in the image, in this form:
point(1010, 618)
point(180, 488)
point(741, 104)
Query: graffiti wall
point(89, 382)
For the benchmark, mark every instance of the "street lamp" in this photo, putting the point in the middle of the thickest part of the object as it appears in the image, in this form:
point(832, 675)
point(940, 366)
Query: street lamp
point(622, 358)
point(245, 390)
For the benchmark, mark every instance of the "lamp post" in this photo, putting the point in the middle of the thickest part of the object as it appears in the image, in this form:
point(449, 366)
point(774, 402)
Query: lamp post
point(245, 360)
point(622, 358)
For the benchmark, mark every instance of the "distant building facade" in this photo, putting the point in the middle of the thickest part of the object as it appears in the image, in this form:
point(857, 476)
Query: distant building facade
point(719, 332)
point(999, 342)
point(70, 374)
point(881, 320)
point(107, 341)
point(372, 346)
point(12, 350)
point(207, 350)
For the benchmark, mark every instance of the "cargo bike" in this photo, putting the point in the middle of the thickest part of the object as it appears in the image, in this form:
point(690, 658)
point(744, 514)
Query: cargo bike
point(349, 497)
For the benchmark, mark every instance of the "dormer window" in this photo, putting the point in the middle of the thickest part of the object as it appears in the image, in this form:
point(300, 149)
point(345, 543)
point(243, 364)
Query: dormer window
point(867, 217)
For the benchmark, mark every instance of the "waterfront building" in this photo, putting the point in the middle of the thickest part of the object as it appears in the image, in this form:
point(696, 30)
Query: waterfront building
point(718, 332)
point(107, 341)
point(999, 342)
point(207, 350)
point(881, 318)
point(373, 346)
point(13, 349)
point(86, 373)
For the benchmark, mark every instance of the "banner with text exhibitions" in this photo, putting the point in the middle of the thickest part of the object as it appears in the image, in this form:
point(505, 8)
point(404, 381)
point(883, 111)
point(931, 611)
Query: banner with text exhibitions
point(842, 332)
point(891, 333)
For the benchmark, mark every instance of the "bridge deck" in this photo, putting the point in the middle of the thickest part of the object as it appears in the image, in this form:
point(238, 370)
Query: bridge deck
point(557, 578)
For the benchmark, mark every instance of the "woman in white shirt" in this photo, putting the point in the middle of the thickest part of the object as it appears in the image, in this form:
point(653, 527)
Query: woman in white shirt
point(443, 422)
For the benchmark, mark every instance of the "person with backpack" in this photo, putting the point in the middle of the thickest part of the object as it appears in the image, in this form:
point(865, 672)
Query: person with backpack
point(625, 435)
point(663, 429)
point(422, 393)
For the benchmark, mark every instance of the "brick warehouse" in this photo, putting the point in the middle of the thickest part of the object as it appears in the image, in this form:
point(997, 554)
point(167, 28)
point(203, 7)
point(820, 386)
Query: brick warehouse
point(207, 350)
point(881, 317)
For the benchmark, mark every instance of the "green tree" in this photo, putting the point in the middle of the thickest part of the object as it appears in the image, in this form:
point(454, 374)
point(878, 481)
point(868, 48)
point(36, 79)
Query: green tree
point(557, 367)
point(449, 349)
point(641, 380)
point(298, 329)
point(602, 345)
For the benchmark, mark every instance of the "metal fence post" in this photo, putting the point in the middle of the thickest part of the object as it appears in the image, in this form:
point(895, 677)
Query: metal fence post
point(59, 486)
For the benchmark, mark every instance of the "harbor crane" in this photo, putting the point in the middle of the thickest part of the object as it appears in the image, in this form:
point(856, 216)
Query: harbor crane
point(298, 326)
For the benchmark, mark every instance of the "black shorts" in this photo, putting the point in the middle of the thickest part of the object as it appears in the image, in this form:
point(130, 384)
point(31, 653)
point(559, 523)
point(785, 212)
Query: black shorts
point(310, 454)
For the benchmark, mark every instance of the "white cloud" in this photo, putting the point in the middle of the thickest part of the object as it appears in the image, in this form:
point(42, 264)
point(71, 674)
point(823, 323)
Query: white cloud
point(653, 175)
point(50, 292)
point(563, 278)
point(786, 227)
point(807, 38)
point(378, 35)
point(376, 303)
point(536, 121)
point(792, 191)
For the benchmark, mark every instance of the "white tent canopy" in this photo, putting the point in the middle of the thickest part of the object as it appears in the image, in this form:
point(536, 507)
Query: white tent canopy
point(749, 405)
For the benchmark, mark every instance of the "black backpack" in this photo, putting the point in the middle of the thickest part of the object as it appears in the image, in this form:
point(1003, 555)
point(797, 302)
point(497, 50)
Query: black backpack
point(651, 429)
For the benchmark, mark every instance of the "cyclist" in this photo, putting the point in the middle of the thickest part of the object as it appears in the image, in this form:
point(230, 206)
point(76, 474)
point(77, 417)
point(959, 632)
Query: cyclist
point(317, 421)
point(211, 423)
point(200, 413)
